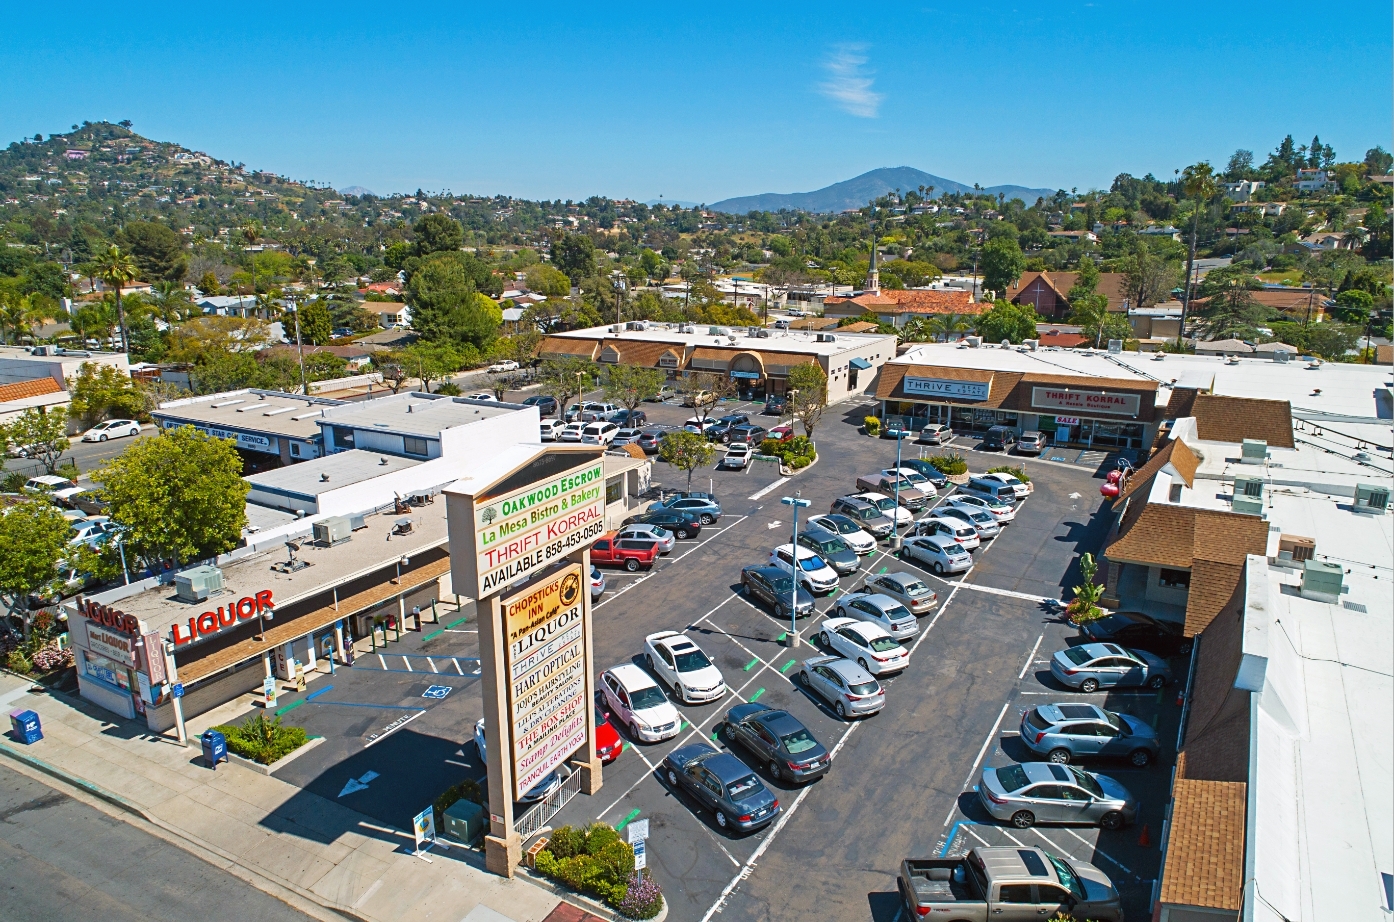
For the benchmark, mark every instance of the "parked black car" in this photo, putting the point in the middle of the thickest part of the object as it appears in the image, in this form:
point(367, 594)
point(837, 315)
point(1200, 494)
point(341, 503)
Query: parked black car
point(721, 430)
point(930, 472)
point(722, 783)
point(682, 524)
point(772, 586)
point(747, 433)
point(1138, 631)
point(998, 438)
point(784, 744)
point(546, 406)
point(776, 406)
point(630, 419)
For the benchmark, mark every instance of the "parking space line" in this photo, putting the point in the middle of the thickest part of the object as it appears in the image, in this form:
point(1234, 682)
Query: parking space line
point(1030, 658)
point(408, 662)
point(768, 488)
point(1053, 844)
point(383, 661)
point(1103, 854)
point(953, 834)
point(433, 665)
point(987, 742)
point(1005, 592)
point(457, 665)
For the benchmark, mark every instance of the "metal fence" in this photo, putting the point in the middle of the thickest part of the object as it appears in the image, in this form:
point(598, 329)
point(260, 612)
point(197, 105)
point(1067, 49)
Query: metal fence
point(541, 813)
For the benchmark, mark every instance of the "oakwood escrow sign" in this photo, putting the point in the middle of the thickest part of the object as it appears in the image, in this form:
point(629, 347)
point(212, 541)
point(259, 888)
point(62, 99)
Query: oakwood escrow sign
point(529, 528)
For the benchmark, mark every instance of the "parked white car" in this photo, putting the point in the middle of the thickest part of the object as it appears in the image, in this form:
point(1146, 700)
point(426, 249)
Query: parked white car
point(505, 365)
point(679, 662)
point(870, 645)
point(1022, 490)
point(919, 481)
point(571, 432)
point(737, 457)
point(482, 396)
point(941, 555)
point(861, 542)
point(813, 573)
point(965, 533)
point(898, 514)
point(635, 700)
point(111, 429)
point(1003, 512)
point(551, 428)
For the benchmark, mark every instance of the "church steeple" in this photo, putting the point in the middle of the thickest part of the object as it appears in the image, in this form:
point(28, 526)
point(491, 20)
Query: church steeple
point(873, 277)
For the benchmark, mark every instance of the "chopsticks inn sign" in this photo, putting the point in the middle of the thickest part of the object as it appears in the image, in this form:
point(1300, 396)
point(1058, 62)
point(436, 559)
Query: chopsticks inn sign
point(545, 665)
point(527, 529)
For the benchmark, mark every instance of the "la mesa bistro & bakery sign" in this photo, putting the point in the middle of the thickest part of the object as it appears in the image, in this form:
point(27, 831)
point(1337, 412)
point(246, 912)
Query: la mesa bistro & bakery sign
point(198, 627)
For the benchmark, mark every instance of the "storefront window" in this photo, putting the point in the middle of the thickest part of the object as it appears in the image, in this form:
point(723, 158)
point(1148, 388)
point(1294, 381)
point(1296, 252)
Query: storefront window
point(105, 670)
point(614, 490)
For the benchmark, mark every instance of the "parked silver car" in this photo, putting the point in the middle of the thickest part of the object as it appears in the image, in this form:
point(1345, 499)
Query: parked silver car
point(1070, 730)
point(658, 533)
point(907, 589)
point(882, 610)
point(1043, 792)
point(985, 522)
point(849, 688)
point(1091, 666)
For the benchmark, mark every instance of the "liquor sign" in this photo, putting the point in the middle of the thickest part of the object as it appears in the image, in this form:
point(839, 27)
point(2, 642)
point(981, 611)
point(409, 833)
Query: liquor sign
point(940, 387)
point(1088, 402)
point(523, 531)
point(545, 665)
point(204, 626)
point(113, 645)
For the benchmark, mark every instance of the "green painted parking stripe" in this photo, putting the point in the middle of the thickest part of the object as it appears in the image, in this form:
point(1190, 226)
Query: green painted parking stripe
point(882, 570)
point(1154, 721)
point(290, 707)
point(787, 666)
point(684, 726)
point(624, 746)
point(781, 637)
point(457, 621)
point(834, 592)
point(715, 735)
point(627, 820)
point(433, 634)
point(751, 665)
point(756, 697)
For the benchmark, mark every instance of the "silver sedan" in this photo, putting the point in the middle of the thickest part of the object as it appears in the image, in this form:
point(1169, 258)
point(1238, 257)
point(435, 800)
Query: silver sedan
point(1042, 792)
point(849, 688)
point(881, 610)
point(907, 589)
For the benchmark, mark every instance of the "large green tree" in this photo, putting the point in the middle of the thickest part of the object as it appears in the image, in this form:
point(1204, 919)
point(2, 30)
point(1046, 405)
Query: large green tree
point(102, 392)
point(548, 280)
point(437, 233)
point(808, 398)
point(316, 326)
point(686, 451)
point(33, 539)
point(430, 361)
point(1230, 309)
point(179, 496)
point(1002, 262)
point(446, 305)
point(574, 254)
point(117, 269)
point(157, 250)
point(39, 435)
point(1005, 320)
point(1148, 277)
point(567, 379)
point(629, 385)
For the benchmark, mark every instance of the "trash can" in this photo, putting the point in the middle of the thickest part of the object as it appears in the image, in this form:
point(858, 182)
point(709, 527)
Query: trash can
point(25, 726)
point(464, 821)
point(214, 748)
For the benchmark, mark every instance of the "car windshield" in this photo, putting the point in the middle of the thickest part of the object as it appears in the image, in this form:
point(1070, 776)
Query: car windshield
point(1077, 656)
point(915, 588)
point(811, 563)
point(650, 697)
point(1114, 622)
point(1115, 721)
point(744, 789)
point(658, 531)
point(886, 504)
point(897, 612)
point(914, 478)
point(691, 661)
point(884, 645)
point(1086, 781)
point(798, 741)
point(979, 516)
point(1012, 778)
point(1067, 876)
point(784, 584)
point(843, 526)
point(868, 514)
point(863, 688)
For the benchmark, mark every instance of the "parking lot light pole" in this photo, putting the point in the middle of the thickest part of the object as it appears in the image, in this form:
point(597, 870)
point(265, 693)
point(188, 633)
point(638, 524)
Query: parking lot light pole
point(797, 503)
point(899, 441)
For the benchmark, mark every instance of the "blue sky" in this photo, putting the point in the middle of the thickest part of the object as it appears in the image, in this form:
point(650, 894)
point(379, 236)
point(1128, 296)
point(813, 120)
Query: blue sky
point(715, 100)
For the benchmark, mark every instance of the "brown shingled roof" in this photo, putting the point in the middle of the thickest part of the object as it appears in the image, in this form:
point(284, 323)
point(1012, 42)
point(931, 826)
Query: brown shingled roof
point(1221, 418)
point(22, 389)
point(1229, 537)
point(1180, 403)
point(564, 345)
point(1175, 452)
point(1158, 534)
point(1205, 847)
point(1216, 747)
point(910, 301)
point(645, 354)
point(1213, 586)
point(861, 326)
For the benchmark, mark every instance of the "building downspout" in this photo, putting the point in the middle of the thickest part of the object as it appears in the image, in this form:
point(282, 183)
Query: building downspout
point(1250, 894)
point(1166, 818)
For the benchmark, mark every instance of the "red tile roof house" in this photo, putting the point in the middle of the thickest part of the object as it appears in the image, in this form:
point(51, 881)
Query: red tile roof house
point(1048, 292)
point(901, 305)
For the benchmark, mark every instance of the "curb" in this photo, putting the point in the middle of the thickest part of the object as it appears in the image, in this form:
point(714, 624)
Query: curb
point(789, 472)
point(260, 769)
point(231, 861)
point(591, 905)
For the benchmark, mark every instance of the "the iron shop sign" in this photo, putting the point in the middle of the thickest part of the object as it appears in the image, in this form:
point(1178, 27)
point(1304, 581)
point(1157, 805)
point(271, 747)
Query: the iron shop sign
point(525, 530)
point(544, 659)
point(1085, 402)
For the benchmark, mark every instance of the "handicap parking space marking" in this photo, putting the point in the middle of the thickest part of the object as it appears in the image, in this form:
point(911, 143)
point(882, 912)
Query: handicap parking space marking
point(436, 691)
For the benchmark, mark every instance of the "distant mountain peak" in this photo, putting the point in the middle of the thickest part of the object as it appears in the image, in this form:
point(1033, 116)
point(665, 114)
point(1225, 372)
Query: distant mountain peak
point(356, 190)
point(860, 190)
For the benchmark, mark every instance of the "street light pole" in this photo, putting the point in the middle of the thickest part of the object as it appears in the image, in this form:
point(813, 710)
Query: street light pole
point(797, 503)
point(295, 309)
point(899, 441)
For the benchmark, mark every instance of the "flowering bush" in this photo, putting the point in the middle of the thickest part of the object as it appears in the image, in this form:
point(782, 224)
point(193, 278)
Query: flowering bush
point(644, 899)
point(49, 657)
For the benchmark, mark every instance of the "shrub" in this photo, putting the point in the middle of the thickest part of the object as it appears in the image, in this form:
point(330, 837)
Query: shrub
point(1018, 472)
point(796, 453)
point(50, 657)
point(949, 465)
point(18, 662)
point(873, 425)
point(263, 740)
point(449, 389)
point(597, 862)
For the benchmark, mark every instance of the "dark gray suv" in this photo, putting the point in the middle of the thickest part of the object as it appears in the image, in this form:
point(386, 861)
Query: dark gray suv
point(831, 548)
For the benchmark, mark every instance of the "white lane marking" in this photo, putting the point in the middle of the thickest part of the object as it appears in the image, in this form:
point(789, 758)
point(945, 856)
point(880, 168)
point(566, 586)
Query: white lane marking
point(1101, 853)
point(1030, 658)
point(769, 488)
point(382, 661)
point(404, 721)
point(408, 662)
point(457, 665)
point(1006, 592)
point(433, 664)
point(1053, 843)
point(987, 742)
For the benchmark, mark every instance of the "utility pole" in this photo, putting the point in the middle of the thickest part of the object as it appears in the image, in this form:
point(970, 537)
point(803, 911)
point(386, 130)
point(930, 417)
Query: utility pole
point(299, 348)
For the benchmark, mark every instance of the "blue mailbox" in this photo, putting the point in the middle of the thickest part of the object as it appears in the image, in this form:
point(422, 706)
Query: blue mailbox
point(25, 725)
point(214, 748)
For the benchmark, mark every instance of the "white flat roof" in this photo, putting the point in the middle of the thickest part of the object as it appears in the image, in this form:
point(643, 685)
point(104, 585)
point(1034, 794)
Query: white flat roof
point(331, 472)
point(800, 341)
point(253, 410)
point(415, 413)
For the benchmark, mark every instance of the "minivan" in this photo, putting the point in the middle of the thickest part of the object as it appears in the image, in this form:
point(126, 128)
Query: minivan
point(546, 406)
point(998, 438)
point(994, 488)
point(599, 433)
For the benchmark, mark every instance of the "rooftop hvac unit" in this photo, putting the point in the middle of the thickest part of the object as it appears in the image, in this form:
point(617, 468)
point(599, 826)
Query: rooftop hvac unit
point(827, 338)
point(616, 328)
point(1032, 344)
point(1322, 581)
point(1251, 487)
point(1247, 505)
point(1115, 346)
point(198, 584)
point(763, 334)
point(357, 521)
point(1255, 451)
point(333, 530)
point(638, 325)
point(973, 341)
point(1294, 550)
point(1281, 357)
point(1370, 498)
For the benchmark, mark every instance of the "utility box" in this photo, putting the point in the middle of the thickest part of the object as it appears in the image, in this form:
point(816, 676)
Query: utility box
point(197, 584)
point(464, 821)
point(1371, 499)
point(214, 748)
point(1254, 451)
point(1247, 505)
point(333, 530)
point(1322, 581)
point(24, 725)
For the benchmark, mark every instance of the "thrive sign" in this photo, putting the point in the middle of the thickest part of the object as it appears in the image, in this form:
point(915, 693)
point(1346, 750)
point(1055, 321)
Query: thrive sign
point(527, 529)
point(940, 387)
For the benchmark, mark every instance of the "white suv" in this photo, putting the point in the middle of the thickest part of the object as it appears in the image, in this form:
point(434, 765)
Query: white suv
point(1022, 490)
point(814, 572)
point(600, 433)
point(675, 659)
point(636, 701)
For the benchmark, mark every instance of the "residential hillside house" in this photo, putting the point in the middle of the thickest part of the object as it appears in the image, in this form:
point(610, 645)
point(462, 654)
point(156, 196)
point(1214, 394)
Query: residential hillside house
point(1313, 181)
point(38, 376)
point(1047, 293)
point(1241, 191)
point(899, 306)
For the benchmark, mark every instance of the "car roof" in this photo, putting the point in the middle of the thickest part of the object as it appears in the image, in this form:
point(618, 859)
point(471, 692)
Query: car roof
point(865, 628)
point(726, 767)
point(850, 670)
point(1070, 711)
point(632, 677)
point(819, 532)
point(767, 571)
point(901, 579)
point(781, 722)
point(803, 552)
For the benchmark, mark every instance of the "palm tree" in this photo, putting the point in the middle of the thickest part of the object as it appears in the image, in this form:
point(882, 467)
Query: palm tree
point(116, 269)
point(1198, 183)
point(172, 301)
point(18, 314)
point(943, 326)
point(252, 233)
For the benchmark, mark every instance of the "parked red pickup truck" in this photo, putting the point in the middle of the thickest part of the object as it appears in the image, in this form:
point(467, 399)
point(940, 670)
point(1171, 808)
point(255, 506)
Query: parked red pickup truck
point(630, 553)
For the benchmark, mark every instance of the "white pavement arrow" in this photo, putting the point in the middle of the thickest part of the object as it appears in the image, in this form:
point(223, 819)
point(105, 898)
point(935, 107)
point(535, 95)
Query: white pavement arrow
point(355, 785)
point(774, 525)
point(1074, 496)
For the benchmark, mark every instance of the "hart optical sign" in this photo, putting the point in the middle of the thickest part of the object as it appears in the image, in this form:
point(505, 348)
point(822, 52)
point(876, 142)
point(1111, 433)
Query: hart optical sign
point(523, 531)
point(545, 666)
point(941, 387)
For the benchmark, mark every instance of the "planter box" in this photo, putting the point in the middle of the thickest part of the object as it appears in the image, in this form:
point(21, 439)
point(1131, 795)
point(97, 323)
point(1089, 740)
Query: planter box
point(282, 762)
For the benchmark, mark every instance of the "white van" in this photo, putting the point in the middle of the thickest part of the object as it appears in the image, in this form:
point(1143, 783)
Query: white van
point(986, 486)
point(600, 433)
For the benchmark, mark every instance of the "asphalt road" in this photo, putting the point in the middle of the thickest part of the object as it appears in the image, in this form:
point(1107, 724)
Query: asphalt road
point(61, 860)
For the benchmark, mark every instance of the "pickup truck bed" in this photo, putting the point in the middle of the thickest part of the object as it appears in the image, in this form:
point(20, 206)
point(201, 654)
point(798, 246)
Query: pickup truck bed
point(944, 880)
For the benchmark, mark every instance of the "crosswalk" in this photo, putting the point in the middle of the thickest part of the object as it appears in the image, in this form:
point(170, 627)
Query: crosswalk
point(466, 666)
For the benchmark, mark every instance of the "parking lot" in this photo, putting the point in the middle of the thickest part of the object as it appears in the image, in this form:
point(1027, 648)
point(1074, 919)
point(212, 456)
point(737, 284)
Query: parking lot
point(902, 782)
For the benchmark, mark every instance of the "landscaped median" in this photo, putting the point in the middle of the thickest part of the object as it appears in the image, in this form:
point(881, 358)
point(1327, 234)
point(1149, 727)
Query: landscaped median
point(794, 454)
point(265, 745)
point(598, 863)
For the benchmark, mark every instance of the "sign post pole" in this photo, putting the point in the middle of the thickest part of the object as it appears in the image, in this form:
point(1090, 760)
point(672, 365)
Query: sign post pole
point(172, 676)
point(588, 763)
point(503, 847)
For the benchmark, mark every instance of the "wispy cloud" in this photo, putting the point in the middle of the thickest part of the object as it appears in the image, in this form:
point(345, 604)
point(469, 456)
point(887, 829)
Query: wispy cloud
point(849, 84)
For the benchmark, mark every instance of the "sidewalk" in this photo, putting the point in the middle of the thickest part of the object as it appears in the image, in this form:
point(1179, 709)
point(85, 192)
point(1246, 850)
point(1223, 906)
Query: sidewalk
point(332, 856)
